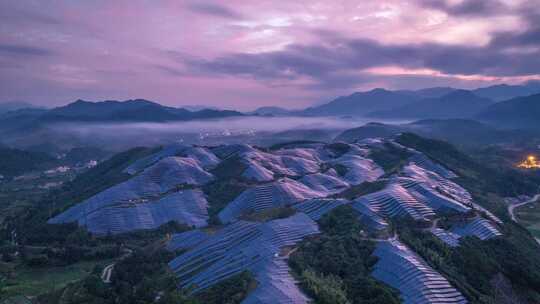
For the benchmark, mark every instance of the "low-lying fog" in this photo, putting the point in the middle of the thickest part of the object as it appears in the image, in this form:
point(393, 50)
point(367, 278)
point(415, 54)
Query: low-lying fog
point(254, 130)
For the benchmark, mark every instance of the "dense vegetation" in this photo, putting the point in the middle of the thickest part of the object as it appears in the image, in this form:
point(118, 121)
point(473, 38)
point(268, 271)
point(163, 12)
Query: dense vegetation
point(219, 193)
point(269, 214)
point(364, 188)
point(226, 187)
point(136, 279)
point(335, 266)
point(529, 217)
point(488, 185)
point(292, 143)
point(475, 266)
point(230, 291)
point(338, 148)
point(230, 168)
point(31, 226)
point(30, 247)
point(391, 158)
point(101, 177)
point(484, 271)
point(143, 278)
point(83, 154)
point(70, 248)
point(503, 181)
point(14, 162)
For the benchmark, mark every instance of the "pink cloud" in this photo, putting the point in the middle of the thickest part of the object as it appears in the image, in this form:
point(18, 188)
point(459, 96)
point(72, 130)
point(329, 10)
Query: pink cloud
point(128, 49)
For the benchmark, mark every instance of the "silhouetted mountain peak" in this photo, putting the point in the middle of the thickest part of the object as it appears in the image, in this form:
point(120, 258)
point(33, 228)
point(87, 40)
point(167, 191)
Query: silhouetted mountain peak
point(133, 110)
point(379, 91)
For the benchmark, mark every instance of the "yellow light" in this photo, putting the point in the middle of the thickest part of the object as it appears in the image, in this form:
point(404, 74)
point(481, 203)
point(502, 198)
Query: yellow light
point(532, 158)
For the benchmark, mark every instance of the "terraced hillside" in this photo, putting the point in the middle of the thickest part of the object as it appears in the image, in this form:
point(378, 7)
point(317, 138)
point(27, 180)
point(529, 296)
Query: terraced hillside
point(284, 195)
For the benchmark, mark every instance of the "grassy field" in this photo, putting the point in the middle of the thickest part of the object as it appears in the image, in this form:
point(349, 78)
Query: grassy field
point(34, 281)
point(529, 216)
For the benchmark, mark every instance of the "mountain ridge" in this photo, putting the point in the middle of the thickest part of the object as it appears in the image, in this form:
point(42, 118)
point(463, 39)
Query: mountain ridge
point(520, 112)
point(14, 105)
point(462, 132)
point(132, 110)
point(380, 100)
point(456, 104)
point(361, 103)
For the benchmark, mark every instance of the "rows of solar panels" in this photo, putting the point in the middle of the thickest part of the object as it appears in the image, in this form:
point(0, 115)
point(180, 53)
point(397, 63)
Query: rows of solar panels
point(168, 186)
point(241, 246)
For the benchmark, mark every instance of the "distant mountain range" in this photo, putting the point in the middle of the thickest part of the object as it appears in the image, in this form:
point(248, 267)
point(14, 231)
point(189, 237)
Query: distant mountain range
point(462, 132)
point(362, 103)
point(456, 104)
point(137, 110)
point(431, 103)
point(438, 102)
point(9, 106)
point(520, 112)
point(503, 91)
point(272, 111)
point(428, 92)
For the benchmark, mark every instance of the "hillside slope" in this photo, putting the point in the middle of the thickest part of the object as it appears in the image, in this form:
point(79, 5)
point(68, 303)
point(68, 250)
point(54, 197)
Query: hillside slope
point(461, 132)
point(521, 112)
point(361, 103)
point(456, 104)
point(381, 220)
point(15, 162)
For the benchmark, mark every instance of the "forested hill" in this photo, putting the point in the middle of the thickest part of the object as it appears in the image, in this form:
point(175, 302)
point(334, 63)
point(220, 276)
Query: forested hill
point(14, 162)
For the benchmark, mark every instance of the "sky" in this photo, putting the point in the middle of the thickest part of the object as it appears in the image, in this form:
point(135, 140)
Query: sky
point(243, 54)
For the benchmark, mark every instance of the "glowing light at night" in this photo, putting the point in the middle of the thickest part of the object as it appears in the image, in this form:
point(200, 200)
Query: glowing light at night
point(530, 163)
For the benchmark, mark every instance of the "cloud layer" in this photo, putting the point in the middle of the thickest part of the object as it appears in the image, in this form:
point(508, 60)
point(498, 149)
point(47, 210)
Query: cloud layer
point(244, 54)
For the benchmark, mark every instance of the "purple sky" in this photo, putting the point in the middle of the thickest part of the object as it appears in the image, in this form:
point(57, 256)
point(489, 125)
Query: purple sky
point(245, 54)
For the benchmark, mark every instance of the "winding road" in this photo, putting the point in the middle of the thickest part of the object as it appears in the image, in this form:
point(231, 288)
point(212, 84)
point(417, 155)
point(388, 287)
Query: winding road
point(107, 271)
point(514, 206)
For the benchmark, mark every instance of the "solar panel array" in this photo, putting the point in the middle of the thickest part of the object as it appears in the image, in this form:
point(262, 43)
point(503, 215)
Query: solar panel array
point(316, 208)
point(203, 156)
point(284, 192)
point(401, 268)
point(451, 239)
point(145, 201)
point(421, 160)
point(396, 201)
point(247, 246)
point(359, 168)
point(166, 186)
point(430, 194)
point(188, 207)
point(186, 240)
point(328, 182)
point(263, 167)
point(479, 227)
